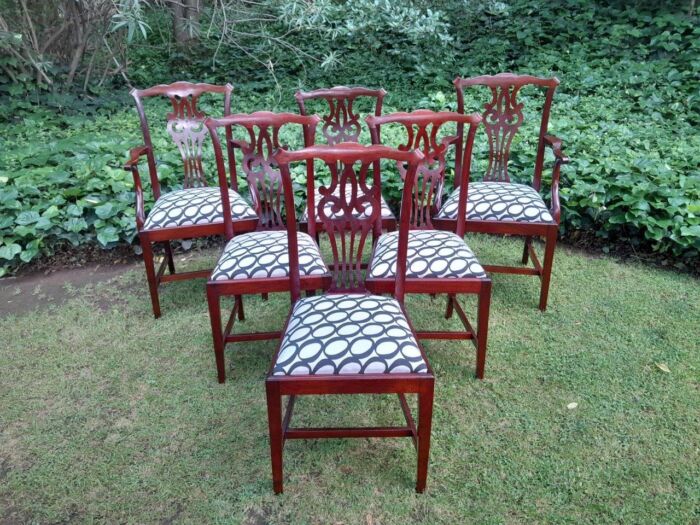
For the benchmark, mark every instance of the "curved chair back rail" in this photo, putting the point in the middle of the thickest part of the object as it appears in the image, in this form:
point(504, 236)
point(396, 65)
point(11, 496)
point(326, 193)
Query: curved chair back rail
point(341, 123)
point(260, 169)
point(348, 209)
point(422, 129)
point(185, 125)
point(503, 116)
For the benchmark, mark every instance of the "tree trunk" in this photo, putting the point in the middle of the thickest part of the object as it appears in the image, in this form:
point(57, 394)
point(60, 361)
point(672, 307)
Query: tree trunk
point(180, 22)
point(193, 17)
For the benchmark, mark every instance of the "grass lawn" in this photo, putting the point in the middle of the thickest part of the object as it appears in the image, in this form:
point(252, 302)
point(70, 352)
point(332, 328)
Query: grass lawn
point(107, 415)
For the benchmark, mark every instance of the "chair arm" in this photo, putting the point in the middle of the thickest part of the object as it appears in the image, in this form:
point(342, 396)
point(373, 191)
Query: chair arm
point(134, 155)
point(132, 165)
point(555, 144)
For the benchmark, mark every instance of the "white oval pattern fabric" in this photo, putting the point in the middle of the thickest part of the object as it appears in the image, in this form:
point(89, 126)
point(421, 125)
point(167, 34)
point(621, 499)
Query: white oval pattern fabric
point(195, 206)
point(386, 211)
point(348, 334)
point(257, 255)
point(431, 253)
point(499, 201)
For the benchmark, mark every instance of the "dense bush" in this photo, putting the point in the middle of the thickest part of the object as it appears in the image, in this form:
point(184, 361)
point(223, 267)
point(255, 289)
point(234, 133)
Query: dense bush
point(628, 110)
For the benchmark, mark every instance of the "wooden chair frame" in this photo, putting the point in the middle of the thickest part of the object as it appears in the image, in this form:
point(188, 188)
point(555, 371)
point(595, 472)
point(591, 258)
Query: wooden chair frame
point(422, 129)
point(401, 384)
point(504, 88)
point(183, 96)
point(265, 186)
point(341, 124)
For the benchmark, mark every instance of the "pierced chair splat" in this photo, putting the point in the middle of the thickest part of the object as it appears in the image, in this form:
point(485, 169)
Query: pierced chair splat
point(497, 205)
point(196, 209)
point(348, 341)
point(437, 261)
point(258, 261)
point(342, 123)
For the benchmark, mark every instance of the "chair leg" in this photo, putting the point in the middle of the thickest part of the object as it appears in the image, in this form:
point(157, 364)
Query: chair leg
point(239, 302)
point(274, 418)
point(169, 255)
point(151, 276)
point(450, 306)
point(214, 302)
point(550, 244)
point(483, 328)
point(425, 420)
point(526, 251)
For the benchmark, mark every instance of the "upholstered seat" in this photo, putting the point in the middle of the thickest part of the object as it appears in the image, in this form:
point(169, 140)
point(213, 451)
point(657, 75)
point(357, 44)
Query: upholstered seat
point(431, 254)
point(386, 211)
point(344, 334)
point(263, 254)
point(195, 206)
point(499, 201)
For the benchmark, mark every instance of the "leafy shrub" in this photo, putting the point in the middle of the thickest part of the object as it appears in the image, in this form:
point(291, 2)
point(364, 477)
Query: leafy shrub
point(628, 110)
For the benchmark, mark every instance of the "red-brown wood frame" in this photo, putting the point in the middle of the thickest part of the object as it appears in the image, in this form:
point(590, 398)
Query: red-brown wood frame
point(183, 96)
point(422, 130)
point(504, 88)
point(341, 119)
point(278, 386)
point(263, 132)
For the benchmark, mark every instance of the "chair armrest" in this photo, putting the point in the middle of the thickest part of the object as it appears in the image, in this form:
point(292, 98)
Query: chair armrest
point(555, 143)
point(134, 155)
point(132, 165)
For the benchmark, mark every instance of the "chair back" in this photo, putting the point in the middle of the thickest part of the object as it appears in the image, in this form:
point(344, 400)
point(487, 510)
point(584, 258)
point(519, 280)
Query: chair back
point(341, 123)
point(503, 116)
point(349, 210)
point(185, 125)
point(259, 167)
point(422, 130)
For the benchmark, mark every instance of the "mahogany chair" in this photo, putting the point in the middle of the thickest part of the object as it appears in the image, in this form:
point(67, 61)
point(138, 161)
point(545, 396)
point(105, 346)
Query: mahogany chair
point(341, 123)
point(497, 205)
point(437, 261)
point(196, 209)
point(258, 261)
point(348, 341)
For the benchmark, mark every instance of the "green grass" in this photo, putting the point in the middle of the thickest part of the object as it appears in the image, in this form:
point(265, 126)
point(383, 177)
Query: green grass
point(107, 415)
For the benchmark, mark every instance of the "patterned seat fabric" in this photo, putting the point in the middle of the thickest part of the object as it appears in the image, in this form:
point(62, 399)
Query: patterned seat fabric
point(348, 334)
point(499, 201)
point(431, 253)
point(386, 211)
point(195, 206)
point(266, 254)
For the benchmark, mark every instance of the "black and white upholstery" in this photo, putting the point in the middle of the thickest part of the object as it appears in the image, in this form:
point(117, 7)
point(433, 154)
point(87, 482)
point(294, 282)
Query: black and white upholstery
point(499, 201)
point(386, 211)
point(431, 254)
point(195, 206)
point(348, 334)
point(266, 254)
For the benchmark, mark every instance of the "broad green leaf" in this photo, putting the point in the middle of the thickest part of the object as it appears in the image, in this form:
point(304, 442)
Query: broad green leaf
point(9, 251)
point(27, 217)
point(75, 225)
point(108, 235)
point(105, 211)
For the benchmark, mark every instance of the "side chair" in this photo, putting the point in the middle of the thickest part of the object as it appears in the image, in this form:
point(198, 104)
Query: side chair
point(258, 262)
point(348, 341)
point(497, 205)
point(196, 209)
point(437, 261)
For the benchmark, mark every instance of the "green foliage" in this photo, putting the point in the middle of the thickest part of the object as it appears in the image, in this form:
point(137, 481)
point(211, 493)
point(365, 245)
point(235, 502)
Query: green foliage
point(628, 110)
